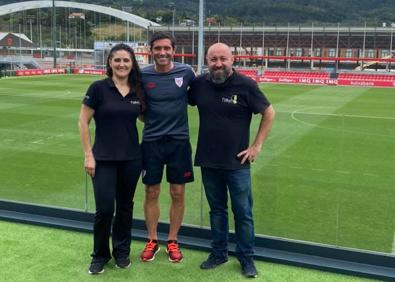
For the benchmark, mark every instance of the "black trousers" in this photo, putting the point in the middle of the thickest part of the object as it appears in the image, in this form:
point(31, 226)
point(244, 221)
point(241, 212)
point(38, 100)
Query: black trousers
point(114, 186)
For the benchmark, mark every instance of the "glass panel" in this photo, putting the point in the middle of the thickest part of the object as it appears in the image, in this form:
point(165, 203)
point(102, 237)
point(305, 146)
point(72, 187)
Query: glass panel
point(39, 143)
point(193, 193)
point(366, 200)
point(326, 173)
point(193, 200)
point(295, 196)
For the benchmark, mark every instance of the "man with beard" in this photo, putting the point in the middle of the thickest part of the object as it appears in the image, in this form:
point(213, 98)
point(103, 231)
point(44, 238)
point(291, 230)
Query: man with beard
point(226, 101)
point(165, 142)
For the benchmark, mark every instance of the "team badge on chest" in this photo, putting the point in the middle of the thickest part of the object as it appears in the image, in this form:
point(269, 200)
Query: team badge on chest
point(179, 81)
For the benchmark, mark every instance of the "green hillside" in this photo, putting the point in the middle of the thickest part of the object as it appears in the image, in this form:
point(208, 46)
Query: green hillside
point(270, 12)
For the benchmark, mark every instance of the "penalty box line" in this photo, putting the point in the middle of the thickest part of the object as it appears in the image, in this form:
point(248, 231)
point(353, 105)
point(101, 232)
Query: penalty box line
point(336, 115)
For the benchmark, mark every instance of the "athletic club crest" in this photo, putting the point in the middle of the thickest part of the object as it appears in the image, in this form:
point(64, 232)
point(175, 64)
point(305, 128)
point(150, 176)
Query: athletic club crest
point(179, 81)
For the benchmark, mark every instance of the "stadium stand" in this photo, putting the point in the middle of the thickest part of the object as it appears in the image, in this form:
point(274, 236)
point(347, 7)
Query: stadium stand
point(375, 77)
point(296, 74)
point(320, 77)
point(375, 80)
point(248, 72)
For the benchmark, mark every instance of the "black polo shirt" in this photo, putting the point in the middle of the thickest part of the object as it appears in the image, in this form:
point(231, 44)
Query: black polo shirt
point(225, 112)
point(116, 136)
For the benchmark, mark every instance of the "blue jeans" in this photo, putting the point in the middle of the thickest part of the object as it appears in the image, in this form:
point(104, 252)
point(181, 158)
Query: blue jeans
point(216, 183)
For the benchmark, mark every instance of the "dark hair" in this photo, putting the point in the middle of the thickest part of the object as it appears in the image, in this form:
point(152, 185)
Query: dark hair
point(134, 78)
point(162, 35)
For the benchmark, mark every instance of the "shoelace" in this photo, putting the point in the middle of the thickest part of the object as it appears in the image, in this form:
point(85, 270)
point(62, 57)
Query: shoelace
point(173, 247)
point(150, 246)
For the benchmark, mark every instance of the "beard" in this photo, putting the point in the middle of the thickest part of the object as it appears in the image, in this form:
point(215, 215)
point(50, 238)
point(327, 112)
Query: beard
point(219, 75)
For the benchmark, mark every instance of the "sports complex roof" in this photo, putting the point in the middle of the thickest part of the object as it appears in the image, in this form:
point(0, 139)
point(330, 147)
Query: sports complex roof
point(28, 5)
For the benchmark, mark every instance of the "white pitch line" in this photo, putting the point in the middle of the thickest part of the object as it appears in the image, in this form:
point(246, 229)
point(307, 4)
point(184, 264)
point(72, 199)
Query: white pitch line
point(301, 121)
point(329, 128)
point(318, 169)
point(370, 174)
point(336, 115)
point(342, 171)
point(296, 167)
point(393, 245)
point(41, 141)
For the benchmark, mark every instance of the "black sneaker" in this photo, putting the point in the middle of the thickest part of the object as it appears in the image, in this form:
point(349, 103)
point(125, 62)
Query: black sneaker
point(213, 261)
point(248, 268)
point(122, 263)
point(96, 268)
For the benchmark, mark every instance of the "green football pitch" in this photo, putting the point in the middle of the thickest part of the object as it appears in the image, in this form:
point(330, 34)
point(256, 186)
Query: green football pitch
point(325, 174)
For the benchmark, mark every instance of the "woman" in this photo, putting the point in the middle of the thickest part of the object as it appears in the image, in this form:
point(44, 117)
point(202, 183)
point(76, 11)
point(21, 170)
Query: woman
point(114, 162)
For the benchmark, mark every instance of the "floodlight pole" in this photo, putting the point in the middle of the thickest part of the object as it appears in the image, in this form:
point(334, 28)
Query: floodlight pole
point(200, 38)
point(363, 47)
point(174, 15)
point(20, 42)
point(193, 43)
point(54, 32)
point(312, 46)
point(337, 46)
point(172, 6)
point(392, 33)
point(31, 27)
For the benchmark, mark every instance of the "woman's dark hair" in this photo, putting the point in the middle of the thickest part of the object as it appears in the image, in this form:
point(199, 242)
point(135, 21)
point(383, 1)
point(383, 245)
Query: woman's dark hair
point(134, 75)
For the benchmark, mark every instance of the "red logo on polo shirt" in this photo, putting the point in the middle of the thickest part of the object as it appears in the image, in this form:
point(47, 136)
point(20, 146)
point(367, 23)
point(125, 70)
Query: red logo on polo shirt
point(187, 174)
point(151, 85)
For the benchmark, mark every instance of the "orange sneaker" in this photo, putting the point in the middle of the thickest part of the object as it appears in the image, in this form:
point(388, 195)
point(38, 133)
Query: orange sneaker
point(173, 251)
point(150, 250)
